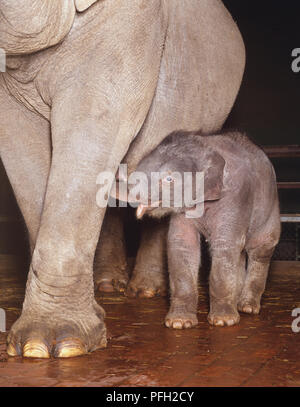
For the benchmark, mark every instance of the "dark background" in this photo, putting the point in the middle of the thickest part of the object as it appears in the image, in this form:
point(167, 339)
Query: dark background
point(267, 106)
point(268, 102)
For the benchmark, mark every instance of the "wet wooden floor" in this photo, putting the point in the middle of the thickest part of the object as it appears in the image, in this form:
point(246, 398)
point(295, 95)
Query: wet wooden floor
point(261, 351)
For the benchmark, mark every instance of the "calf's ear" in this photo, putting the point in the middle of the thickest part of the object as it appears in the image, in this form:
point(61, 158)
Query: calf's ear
point(82, 5)
point(212, 165)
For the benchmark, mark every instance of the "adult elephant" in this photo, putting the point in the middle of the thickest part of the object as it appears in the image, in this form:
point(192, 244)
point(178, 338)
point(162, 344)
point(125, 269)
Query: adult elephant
point(88, 83)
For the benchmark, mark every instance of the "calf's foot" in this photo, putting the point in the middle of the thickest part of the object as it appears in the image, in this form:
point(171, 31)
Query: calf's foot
point(254, 286)
point(181, 318)
point(249, 305)
point(223, 314)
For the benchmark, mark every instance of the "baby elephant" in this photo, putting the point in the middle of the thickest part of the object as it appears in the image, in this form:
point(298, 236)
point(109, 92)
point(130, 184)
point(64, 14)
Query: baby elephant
point(239, 218)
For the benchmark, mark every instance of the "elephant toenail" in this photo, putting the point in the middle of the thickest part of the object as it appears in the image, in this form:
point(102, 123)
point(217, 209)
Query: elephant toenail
point(177, 325)
point(105, 287)
point(13, 350)
point(103, 343)
point(69, 348)
point(146, 293)
point(35, 348)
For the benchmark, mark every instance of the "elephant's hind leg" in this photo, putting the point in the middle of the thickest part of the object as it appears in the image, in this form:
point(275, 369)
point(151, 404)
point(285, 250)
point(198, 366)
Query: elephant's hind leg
point(259, 259)
point(260, 250)
point(149, 276)
point(110, 264)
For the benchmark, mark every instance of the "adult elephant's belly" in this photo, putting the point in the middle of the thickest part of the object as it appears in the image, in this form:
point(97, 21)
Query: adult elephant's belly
point(200, 76)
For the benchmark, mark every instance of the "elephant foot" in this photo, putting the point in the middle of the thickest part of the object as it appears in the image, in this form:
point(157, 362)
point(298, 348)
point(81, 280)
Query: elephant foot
point(249, 306)
point(43, 336)
point(223, 315)
point(110, 286)
point(112, 280)
point(147, 285)
point(181, 320)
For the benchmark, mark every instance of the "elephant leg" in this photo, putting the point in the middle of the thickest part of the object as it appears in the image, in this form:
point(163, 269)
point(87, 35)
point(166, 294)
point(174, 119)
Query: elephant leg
point(183, 264)
point(224, 285)
point(100, 99)
point(26, 154)
point(90, 135)
point(260, 247)
point(259, 259)
point(110, 264)
point(59, 315)
point(242, 273)
point(149, 276)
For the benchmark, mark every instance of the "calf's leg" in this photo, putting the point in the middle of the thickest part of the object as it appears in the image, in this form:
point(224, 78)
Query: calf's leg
point(183, 265)
point(259, 259)
point(228, 263)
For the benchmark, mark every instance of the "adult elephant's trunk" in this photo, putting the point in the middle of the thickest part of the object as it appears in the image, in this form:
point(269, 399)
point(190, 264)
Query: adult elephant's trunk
point(27, 26)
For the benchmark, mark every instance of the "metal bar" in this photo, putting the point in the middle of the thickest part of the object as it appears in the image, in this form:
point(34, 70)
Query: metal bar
point(290, 218)
point(282, 151)
point(288, 185)
point(297, 242)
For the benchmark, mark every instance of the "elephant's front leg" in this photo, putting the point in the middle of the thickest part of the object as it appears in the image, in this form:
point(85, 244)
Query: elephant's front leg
point(101, 90)
point(183, 264)
point(60, 315)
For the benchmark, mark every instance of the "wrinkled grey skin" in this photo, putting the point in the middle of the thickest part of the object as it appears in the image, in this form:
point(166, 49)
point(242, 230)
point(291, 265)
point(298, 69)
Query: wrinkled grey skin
point(89, 84)
point(241, 217)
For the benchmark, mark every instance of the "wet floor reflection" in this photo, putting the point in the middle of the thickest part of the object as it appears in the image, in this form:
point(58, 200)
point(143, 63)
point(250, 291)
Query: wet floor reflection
point(261, 351)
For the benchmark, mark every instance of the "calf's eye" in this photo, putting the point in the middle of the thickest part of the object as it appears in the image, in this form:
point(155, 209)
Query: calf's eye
point(169, 178)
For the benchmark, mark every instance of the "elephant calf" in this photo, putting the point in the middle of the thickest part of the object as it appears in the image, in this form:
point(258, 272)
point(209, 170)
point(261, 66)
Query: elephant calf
point(240, 215)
